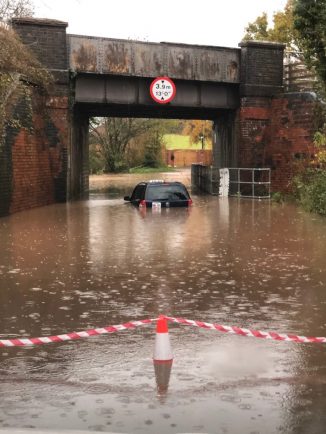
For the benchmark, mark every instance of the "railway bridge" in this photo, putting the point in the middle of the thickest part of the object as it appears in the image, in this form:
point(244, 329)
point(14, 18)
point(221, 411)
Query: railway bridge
point(256, 124)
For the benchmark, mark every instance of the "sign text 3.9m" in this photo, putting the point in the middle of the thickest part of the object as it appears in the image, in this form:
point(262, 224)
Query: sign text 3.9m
point(162, 90)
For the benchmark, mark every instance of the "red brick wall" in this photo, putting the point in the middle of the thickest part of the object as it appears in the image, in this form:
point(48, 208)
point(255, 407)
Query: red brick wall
point(187, 157)
point(276, 133)
point(33, 158)
point(254, 119)
point(37, 156)
point(31, 178)
point(291, 137)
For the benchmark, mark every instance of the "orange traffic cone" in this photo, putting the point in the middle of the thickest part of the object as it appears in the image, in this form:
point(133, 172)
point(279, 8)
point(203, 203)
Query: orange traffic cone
point(162, 349)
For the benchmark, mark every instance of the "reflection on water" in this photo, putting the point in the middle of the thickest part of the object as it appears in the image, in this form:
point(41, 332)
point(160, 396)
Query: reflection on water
point(162, 377)
point(100, 262)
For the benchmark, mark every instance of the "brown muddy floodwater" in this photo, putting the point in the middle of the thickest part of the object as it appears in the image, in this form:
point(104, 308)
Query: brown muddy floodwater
point(100, 262)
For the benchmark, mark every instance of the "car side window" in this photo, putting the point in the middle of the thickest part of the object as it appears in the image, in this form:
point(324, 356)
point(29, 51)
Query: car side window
point(179, 194)
point(138, 193)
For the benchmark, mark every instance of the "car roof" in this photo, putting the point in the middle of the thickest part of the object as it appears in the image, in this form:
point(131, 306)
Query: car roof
point(160, 182)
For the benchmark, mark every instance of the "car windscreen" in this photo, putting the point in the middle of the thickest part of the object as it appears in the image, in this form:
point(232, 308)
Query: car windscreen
point(166, 192)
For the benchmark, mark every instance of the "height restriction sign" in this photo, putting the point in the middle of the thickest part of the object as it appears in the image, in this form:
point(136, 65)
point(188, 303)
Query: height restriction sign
point(162, 90)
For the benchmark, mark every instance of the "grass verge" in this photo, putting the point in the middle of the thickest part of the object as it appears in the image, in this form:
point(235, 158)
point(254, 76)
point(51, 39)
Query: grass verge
point(151, 169)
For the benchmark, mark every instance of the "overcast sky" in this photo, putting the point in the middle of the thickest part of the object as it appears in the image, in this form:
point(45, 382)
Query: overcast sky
point(205, 22)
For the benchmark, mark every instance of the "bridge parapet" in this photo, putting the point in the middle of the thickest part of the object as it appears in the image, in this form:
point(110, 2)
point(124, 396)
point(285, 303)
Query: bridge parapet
point(148, 59)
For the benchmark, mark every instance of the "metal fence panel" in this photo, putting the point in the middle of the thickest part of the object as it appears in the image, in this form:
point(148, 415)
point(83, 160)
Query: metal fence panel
point(250, 182)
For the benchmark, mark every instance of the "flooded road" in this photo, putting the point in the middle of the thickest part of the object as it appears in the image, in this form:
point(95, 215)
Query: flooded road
point(100, 262)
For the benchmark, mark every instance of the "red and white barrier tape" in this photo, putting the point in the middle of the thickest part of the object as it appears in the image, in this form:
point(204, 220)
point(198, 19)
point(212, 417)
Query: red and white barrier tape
point(250, 333)
point(19, 342)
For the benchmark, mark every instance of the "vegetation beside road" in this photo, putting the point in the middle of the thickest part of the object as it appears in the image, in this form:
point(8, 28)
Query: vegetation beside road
point(151, 169)
point(311, 190)
point(310, 183)
point(309, 22)
point(302, 27)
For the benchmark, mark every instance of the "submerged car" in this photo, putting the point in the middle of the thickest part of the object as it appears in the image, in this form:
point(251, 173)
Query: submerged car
point(159, 193)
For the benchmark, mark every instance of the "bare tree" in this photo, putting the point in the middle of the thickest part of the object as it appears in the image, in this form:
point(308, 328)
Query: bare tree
point(113, 136)
point(117, 139)
point(15, 8)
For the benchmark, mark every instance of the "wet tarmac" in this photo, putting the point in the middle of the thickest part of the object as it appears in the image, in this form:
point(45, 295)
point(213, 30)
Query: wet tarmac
point(100, 262)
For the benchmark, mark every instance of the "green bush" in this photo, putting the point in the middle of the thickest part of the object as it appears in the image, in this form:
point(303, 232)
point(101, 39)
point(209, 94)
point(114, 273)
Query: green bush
point(277, 197)
point(153, 154)
point(96, 162)
point(310, 190)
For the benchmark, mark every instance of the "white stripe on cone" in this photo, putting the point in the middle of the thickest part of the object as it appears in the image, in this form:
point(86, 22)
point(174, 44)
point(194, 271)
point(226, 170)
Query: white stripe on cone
point(162, 348)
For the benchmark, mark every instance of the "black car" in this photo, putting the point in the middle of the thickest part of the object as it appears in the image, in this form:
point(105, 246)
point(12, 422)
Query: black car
point(159, 193)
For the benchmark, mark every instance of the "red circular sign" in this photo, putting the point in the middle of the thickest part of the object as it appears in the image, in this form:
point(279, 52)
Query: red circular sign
point(162, 90)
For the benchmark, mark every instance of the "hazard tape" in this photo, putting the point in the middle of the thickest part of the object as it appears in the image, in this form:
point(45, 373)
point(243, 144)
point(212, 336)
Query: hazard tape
point(21, 342)
point(250, 333)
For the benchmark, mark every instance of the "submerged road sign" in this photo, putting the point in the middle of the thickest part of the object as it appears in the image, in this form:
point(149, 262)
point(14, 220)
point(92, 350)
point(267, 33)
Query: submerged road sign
point(162, 90)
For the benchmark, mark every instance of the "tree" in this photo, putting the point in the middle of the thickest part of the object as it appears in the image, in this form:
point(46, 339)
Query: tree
point(15, 8)
point(18, 66)
point(18, 69)
point(198, 131)
point(113, 136)
point(257, 30)
point(283, 29)
point(310, 23)
point(153, 143)
point(119, 143)
point(320, 143)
